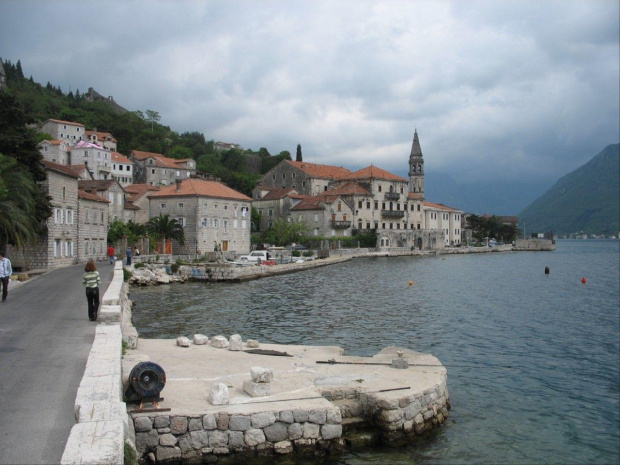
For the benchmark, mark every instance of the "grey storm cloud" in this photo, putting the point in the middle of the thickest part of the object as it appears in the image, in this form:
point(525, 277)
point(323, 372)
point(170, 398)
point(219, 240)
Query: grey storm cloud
point(502, 89)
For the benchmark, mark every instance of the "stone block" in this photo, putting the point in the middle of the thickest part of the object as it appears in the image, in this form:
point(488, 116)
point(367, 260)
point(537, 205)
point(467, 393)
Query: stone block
point(252, 344)
point(178, 425)
point(304, 446)
point(412, 410)
point(218, 438)
point(219, 341)
point(254, 437)
point(182, 341)
point(317, 416)
point(209, 422)
point(235, 343)
point(261, 375)
point(198, 439)
point(200, 339)
point(262, 419)
point(276, 432)
point(331, 431)
point(166, 455)
point(235, 439)
point(145, 441)
point(168, 440)
point(400, 363)
point(312, 431)
point(333, 416)
point(256, 389)
point(161, 421)
point(223, 419)
point(240, 423)
point(194, 424)
point(95, 442)
point(218, 395)
point(283, 447)
point(295, 431)
point(300, 416)
point(142, 424)
point(221, 451)
point(390, 416)
point(388, 404)
point(286, 416)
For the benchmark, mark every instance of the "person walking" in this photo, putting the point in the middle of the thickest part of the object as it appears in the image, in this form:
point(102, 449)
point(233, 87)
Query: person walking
point(5, 275)
point(111, 254)
point(92, 280)
point(128, 256)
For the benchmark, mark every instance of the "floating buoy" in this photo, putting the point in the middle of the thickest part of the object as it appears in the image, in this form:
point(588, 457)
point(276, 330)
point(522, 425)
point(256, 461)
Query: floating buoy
point(546, 270)
point(411, 283)
point(584, 280)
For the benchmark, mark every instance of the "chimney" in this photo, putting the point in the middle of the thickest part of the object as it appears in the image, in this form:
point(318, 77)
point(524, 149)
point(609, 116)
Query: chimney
point(178, 181)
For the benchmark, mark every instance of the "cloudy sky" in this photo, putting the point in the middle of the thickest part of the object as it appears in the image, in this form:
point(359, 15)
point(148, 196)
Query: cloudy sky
point(503, 89)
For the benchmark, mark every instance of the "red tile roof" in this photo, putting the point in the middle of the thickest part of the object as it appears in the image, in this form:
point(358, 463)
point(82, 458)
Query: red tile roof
point(372, 172)
point(98, 185)
point(275, 194)
point(82, 194)
point(130, 206)
point(199, 187)
point(117, 157)
point(440, 206)
point(349, 188)
point(64, 122)
point(160, 160)
point(101, 135)
point(138, 190)
point(314, 202)
point(415, 195)
point(64, 169)
point(319, 171)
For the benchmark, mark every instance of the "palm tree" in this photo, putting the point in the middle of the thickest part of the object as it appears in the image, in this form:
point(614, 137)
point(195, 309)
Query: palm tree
point(18, 224)
point(166, 228)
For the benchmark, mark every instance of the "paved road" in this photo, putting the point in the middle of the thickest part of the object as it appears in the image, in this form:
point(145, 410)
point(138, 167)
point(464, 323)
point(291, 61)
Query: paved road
point(45, 339)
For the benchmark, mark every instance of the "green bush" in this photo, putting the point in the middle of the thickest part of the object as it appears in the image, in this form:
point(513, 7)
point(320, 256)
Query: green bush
point(296, 253)
point(127, 274)
point(175, 267)
point(308, 253)
point(139, 265)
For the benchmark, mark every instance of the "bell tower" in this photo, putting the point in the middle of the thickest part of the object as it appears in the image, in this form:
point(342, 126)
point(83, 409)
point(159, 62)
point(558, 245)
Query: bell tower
point(416, 167)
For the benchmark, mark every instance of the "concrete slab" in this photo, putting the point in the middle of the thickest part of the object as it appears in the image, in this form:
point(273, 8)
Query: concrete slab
point(98, 442)
point(298, 380)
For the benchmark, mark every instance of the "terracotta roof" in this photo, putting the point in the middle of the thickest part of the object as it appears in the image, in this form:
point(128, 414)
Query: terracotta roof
point(314, 202)
point(349, 188)
point(98, 185)
point(415, 195)
point(138, 190)
point(64, 169)
point(440, 206)
point(371, 172)
point(117, 157)
point(52, 142)
point(78, 169)
point(101, 135)
point(160, 160)
point(130, 206)
point(64, 122)
point(319, 171)
point(82, 194)
point(276, 194)
point(200, 187)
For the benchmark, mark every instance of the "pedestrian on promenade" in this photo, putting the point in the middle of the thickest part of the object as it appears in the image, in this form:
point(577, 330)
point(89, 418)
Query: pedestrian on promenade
point(136, 252)
point(91, 281)
point(111, 254)
point(5, 275)
point(128, 256)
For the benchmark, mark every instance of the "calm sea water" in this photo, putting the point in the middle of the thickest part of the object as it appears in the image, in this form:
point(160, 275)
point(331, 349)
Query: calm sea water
point(533, 359)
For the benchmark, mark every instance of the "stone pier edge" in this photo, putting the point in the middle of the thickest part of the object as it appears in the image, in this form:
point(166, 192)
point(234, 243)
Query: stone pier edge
point(102, 423)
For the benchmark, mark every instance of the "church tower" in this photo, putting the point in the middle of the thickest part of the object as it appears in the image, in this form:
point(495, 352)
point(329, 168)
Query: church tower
point(416, 167)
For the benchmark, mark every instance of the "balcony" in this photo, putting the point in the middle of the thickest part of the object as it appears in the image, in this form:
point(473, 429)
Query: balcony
point(391, 196)
point(393, 213)
point(340, 224)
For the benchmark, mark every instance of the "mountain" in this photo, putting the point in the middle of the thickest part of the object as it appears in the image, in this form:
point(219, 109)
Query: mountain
point(491, 197)
point(588, 199)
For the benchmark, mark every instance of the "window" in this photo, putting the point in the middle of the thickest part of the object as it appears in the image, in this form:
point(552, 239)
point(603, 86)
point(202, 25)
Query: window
point(376, 204)
point(316, 217)
point(153, 171)
point(178, 174)
point(235, 223)
point(359, 204)
point(68, 249)
point(270, 212)
point(368, 205)
point(64, 192)
point(379, 187)
point(203, 222)
point(180, 204)
point(273, 176)
point(225, 225)
point(101, 218)
point(283, 175)
point(216, 223)
point(182, 221)
point(57, 248)
point(339, 206)
point(418, 225)
point(418, 207)
point(163, 205)
point(293, 175)
point(244, 224)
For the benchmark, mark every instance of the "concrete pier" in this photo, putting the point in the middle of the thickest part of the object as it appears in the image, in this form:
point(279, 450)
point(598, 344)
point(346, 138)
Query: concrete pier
point(311, 407)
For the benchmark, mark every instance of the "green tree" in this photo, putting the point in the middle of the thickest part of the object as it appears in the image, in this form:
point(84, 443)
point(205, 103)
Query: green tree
point(284, 232)
point(163, 227)
point(180, 152)
point(298, 157)
point(18, 225)
point(153, 117)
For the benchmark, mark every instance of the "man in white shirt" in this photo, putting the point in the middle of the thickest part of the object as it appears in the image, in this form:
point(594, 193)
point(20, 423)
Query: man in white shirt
point(5, 274)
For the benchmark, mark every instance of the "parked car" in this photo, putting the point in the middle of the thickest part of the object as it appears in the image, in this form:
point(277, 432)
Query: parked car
point(256, 256)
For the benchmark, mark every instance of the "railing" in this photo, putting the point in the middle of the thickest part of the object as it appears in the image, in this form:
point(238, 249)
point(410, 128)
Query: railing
point(393, 213)
point(391, 196)
point(340, 224)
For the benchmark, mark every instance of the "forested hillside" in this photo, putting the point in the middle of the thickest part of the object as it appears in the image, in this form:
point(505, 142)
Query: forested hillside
point(584, 201)
point(137, 130)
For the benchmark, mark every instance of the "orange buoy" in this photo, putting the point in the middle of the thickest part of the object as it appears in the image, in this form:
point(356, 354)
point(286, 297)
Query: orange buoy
point(584, 280)
point(411, 283)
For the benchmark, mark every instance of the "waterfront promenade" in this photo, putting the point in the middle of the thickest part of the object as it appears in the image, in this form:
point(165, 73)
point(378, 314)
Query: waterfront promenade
point(45, 339)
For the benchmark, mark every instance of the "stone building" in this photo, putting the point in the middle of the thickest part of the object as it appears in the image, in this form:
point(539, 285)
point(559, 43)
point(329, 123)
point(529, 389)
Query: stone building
point(67, 131)
point(438, 217)
point(138, 197)
point(102, 139)
point(96, 158)
point(325, 214)
point(76, 218)
point(156, 170)
point(212, 214)
point(122, 169)
point(113, 192)
point(305, 178)
point(273, 203)
point(56, 151)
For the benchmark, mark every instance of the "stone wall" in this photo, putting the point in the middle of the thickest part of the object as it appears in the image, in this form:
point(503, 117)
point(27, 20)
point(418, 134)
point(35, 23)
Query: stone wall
point(535, 244)
point(202, 438)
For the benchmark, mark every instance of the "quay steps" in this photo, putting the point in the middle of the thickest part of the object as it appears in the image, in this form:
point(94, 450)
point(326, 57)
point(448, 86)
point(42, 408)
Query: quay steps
point(356, 428)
